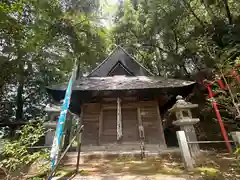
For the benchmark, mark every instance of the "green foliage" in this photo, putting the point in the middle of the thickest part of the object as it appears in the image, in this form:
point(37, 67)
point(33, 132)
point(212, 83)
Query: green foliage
point(237, 152)
point(16, 153)
point(179, 38)
point(39, 42)
point(36, 178)
point(228, 98)
point(187, 40)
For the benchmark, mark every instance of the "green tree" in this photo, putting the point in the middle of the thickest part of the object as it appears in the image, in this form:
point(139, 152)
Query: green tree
point(16, 154)
point(179, 37)
point(183, 39)
point(40, 40)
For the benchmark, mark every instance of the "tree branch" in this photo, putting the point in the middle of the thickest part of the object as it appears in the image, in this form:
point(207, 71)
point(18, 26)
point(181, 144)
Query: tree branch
point(30, 94)
point(187, 5)
point(228, 11)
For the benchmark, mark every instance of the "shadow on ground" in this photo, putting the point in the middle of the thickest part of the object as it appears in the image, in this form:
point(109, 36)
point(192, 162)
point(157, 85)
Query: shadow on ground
point(168, 164)
point(214, 166)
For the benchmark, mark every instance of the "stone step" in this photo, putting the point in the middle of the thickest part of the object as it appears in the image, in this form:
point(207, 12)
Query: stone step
point(71, 157)
point(131, 146)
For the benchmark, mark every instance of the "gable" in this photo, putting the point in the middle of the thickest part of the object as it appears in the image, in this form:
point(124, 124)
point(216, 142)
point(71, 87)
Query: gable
point(120, 69)
point(127, 62)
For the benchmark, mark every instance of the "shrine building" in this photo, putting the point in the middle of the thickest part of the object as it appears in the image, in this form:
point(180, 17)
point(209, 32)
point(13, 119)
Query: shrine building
point(121, 100)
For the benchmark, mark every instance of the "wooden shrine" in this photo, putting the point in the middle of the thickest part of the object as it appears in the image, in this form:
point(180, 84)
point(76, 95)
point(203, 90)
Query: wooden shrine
point(121, 100)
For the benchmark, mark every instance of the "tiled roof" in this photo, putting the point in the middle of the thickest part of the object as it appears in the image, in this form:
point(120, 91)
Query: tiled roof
point(123, 83)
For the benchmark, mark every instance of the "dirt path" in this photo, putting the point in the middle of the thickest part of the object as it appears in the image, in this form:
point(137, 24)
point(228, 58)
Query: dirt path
point(168, 167)
point(128, 177)
point(214, 166)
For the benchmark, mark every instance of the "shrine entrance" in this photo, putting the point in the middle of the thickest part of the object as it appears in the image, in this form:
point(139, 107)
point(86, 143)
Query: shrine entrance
point(130, 125)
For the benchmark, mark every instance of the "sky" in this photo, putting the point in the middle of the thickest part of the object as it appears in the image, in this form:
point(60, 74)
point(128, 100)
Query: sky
point(110, 1)
point(109, 8)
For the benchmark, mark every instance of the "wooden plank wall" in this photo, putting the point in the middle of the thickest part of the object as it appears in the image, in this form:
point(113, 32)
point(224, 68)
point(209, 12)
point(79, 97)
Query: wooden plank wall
point(109, 129)
point(151, 122)
point(149, 115)
point(130, 125)
point(91, 123)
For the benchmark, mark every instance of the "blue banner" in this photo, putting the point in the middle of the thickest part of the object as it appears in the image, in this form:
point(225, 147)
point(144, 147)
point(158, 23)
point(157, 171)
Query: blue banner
point(61, 121)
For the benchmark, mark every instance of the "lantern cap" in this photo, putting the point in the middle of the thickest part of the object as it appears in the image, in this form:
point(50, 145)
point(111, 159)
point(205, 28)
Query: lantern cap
point(181, 104)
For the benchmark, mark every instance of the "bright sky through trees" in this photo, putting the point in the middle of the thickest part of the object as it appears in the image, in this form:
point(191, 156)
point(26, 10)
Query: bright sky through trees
point(109, 8)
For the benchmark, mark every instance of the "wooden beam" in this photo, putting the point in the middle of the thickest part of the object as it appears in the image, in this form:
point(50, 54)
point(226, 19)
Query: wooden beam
point(139, 116)
point(141, 133)
point(124, 104)
point(109, 106)
point(140, 124)
point(119, 120)
point(162, 137)
point(100, 126)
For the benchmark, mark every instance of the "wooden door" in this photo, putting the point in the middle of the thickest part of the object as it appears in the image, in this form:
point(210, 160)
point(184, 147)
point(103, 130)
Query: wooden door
point(109, 126)
point(130, 125)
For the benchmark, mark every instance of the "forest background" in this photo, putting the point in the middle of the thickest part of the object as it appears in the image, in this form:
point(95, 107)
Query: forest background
point(185, 39)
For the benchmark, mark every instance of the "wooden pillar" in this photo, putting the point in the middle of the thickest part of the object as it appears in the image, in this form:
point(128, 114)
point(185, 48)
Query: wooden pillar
point(141, 133)
point(162, 137)
point(140, 124)
point(139, 115)
point(119, 120)
point(100, 126)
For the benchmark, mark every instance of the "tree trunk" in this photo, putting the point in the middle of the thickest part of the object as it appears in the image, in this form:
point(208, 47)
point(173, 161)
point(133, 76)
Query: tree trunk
point(19, 99)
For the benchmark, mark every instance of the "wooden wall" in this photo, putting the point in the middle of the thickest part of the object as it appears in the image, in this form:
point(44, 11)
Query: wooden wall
point(103, 117)
point(109, 126)
point(152, 123)
point(130, 125)
point(90, 117)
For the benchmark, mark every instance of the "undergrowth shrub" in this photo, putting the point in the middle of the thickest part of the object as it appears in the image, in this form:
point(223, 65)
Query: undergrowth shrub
point(17, 154)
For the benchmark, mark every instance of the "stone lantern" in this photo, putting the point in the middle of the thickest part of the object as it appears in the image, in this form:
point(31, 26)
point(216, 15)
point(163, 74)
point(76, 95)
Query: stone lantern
point(186, 122)
point(53, 112)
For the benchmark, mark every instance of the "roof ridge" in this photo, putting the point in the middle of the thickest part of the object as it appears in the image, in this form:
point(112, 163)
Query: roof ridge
point(98, 66)
point(135, 60)
point(128, 54)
